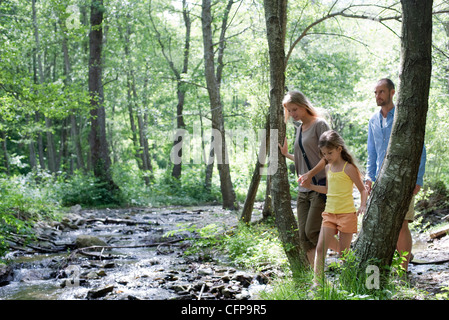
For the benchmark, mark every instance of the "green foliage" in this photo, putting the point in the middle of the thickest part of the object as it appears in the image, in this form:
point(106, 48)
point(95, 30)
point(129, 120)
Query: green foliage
point(249, 246)
point(25, 200)
point(205, 241)
point(189, 189)
point(444, 294)
point(86, 190)
point(255, 246)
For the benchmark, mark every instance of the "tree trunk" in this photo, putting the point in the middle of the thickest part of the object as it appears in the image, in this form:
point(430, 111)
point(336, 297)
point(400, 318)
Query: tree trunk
point(130, 89)
point(74, 135)
point(3, 138)
point(394, 186)
point(208, 160)
point(51, 156)
point(51, 152)
point(138, 133)
point(213, 80)
point(180, 84)
point(40, 142)
point(255, 180)
point(146, 147)
point(132, 121)
point(276, 19)
point(267, 211)
point(181, 90)
point(97, 138)
point(143, 149)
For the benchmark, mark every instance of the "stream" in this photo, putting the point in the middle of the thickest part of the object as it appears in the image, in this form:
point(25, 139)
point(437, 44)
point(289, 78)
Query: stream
point(145, 261)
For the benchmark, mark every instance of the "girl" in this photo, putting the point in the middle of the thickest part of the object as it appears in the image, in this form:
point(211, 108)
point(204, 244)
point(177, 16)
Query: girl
point(339, 215)
point(310, 204)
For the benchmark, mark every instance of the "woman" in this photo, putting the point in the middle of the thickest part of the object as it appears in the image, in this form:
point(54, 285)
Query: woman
point(310, 204)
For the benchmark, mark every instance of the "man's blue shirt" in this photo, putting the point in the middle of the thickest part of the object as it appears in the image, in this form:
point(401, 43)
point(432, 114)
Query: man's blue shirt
point(378, 139)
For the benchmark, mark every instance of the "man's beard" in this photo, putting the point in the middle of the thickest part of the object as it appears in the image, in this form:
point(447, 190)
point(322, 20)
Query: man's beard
point(383, 102)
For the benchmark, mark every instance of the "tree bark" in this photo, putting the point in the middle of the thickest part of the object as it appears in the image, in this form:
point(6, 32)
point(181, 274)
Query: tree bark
point(181, 90)
point(97, 137)
point(255, 180)
point(213, 80)
point(394, 186)
point(276, 19)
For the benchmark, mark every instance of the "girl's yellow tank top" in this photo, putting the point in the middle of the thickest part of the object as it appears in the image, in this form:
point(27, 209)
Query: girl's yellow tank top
point(339, 192)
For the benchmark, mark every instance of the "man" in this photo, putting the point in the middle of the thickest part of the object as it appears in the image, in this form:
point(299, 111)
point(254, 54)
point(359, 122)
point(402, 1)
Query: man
point(379, 131)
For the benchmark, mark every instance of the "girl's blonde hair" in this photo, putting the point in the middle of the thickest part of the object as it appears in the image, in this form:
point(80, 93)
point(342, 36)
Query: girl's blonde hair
point(332, 140)
point(299, 99)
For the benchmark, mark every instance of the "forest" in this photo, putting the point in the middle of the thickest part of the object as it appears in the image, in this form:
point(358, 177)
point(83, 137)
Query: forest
point(154, 103)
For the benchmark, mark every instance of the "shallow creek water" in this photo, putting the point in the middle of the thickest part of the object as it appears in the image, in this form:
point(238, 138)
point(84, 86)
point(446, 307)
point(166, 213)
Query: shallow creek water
point(157, 272)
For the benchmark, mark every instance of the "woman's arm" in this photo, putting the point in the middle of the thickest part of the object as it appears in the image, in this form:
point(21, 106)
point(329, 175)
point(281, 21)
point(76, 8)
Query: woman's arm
point(308, 185)
point(284, 150)
point(308, 175)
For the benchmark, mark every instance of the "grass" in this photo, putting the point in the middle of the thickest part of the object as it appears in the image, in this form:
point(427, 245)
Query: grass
point(256, 247)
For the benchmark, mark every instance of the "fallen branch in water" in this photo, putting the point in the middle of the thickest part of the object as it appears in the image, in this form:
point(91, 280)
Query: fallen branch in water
point(128, 222)
point(421, 262)
point(101, 256)
point(439, 234)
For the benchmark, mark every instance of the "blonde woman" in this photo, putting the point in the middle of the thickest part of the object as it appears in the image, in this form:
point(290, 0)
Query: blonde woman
point(308, 165)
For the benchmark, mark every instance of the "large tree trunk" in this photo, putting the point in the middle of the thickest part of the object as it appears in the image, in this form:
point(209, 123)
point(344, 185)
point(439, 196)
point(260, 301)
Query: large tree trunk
point(276, 19)
point(213, 80)
point(97, 138)
point(393, 190)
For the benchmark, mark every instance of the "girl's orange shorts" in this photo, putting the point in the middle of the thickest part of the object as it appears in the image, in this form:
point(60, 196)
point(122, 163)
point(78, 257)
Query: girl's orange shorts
point(343, 222)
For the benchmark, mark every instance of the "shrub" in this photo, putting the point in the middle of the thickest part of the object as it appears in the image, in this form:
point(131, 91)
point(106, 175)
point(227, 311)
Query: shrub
point(24, 200)
point(86, 190)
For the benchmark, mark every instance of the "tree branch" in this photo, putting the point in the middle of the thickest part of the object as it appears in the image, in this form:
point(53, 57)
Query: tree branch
point(341, 13)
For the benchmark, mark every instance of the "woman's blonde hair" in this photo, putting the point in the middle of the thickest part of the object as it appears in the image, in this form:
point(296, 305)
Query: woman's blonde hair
point(299, 99)
point(332, 140)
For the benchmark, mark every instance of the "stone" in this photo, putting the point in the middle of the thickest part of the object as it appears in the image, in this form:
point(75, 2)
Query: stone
point(205, 271)
point(153, 261)
point(6, 275)
point(244, 278)
point(75, 209)
point(99, 292)
point(83, 241)
point(244, 295)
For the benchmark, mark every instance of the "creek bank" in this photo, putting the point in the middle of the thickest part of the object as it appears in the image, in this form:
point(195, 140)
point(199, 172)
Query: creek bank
point(128, 255)
point(429, 270)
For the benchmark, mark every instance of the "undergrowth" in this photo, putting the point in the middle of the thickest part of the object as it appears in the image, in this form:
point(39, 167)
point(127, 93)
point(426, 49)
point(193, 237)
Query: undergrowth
point(24, 201)
point(257, 247)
